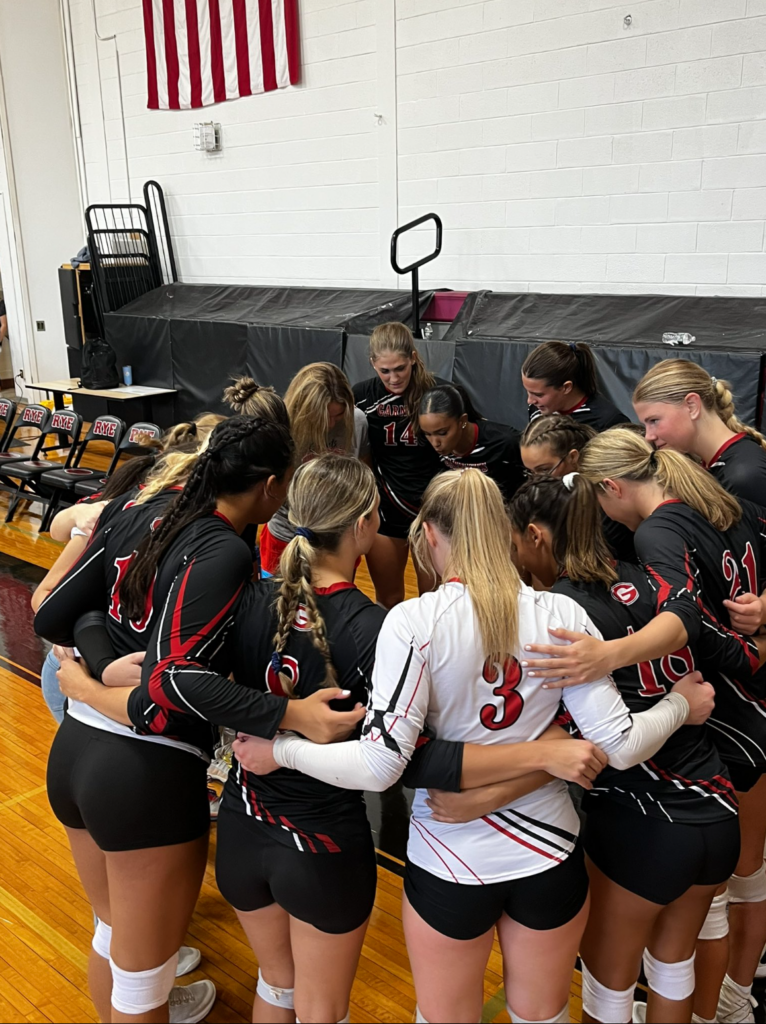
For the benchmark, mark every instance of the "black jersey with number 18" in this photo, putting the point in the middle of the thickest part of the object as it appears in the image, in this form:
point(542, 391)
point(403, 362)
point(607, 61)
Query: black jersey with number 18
point(685, 781)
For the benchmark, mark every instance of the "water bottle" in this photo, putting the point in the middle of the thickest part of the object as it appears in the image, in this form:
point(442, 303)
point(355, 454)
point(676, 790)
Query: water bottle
point(677, 338)
point(127, 376)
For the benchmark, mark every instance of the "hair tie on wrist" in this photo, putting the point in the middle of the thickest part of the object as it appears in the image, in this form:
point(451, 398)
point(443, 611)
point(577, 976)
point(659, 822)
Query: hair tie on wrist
point(568, 480)
point(276, 662)
point(304, 531)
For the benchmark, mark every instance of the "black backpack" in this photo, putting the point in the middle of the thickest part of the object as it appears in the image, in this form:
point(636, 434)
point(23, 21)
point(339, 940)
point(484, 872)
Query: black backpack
point(99, 365)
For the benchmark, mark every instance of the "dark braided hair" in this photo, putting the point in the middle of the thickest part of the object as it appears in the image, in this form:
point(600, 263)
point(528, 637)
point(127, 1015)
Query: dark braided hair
point(448, 400)
point(242, 451)
point(561, 433)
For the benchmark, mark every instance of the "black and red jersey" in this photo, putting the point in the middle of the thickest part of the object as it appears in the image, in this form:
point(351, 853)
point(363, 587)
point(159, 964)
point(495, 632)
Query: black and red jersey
point(597, 411)
point(740, 467)
point(685, 781)
point(404, 463)
point(301, 810)
point(695, 568)
point(190, 609)
point(495, 451)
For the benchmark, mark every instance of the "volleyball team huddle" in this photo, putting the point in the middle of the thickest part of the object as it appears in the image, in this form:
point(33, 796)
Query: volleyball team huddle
point(590, 613)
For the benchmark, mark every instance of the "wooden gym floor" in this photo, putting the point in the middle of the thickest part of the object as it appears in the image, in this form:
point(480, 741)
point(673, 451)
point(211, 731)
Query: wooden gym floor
point(45, 920)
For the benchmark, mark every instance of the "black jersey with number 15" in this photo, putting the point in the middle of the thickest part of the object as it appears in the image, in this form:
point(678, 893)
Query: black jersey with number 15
point(685, 781)
point(404, 463)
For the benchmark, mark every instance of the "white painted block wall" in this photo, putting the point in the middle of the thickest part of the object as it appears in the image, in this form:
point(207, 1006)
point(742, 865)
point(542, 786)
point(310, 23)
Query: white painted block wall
point(563, 150)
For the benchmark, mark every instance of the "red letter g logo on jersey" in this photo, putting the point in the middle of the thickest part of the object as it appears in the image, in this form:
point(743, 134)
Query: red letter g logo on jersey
point(290, 669)
point(625, 593)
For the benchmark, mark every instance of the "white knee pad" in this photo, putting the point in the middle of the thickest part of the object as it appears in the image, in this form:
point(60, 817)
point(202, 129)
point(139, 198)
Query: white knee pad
point(602, 1003)
point(281, 997)
point(671, 981)
point(716, 924)
point(135, 992)
point(560, 1018)
point(748, 888)
point(102, 938)
point(419, 1018)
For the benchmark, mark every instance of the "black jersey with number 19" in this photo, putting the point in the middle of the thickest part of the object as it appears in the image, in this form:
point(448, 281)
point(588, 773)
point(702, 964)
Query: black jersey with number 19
point(686, 780)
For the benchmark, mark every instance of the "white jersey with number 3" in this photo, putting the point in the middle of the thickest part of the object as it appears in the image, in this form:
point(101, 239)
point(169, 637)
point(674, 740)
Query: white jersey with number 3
point(430, 669)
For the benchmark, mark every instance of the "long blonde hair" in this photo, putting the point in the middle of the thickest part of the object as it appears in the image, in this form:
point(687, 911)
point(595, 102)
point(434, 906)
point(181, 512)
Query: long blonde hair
point(181, 448)
point(327, 496)
point(467, 507)
point(624, 455)
point(396, 337)
point(246, 397)
point(672, 380)
point(308, 397)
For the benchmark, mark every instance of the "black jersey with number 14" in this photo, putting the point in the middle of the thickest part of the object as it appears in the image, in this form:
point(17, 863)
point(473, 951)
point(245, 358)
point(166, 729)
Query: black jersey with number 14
point(404, 463)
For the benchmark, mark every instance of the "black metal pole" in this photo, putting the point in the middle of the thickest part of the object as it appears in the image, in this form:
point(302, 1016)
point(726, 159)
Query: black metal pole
point(416, 333)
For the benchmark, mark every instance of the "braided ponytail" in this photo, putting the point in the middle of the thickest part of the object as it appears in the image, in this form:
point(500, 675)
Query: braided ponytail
point(240, 454)
point(724, 406)
point(561, 433)
point(671, 380)
point(327, 497)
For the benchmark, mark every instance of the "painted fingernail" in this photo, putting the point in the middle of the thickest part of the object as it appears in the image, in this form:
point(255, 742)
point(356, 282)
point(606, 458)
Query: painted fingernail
point(525, 664)
point(528, 647)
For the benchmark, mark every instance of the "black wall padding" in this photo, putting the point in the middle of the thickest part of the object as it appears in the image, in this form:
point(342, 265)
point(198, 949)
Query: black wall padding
point(196, 337)
point(494, 332)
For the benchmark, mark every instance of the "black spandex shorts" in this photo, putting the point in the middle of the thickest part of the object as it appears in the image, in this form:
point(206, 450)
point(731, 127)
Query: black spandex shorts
point(129, 794)
point(658, 860)
point(394, 521)
point(744, 776)
point(334, 892)
point(542, 902)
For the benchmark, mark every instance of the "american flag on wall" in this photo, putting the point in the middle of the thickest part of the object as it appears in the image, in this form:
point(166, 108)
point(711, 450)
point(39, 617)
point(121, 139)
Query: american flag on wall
point(200, 52)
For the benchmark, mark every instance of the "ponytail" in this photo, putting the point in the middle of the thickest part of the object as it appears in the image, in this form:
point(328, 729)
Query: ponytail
point(467, 507)
point(569, 508)
point(557, 362)
point(327, 496)
point(451, 400)
point(241, 453)
point(621, 454)
point(670, 381)
point(395, 337)
point(180, 448)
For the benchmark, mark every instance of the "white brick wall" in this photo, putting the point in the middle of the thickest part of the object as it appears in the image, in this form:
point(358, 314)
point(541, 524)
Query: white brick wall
point(635, 157)
point(562, 149)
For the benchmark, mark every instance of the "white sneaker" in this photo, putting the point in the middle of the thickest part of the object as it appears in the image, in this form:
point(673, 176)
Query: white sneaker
point(733, 1006)
point(188, 959)
point(639, 1012)
point(191, 1003)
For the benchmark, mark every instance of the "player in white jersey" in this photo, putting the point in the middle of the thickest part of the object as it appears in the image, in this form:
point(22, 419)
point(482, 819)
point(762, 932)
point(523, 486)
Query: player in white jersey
point(452, 659)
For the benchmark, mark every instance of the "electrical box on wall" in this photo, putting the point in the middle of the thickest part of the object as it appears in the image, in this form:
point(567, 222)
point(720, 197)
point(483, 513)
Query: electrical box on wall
point(207, 137)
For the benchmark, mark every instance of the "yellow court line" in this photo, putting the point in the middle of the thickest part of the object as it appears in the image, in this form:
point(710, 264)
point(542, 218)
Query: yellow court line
point(39, 927)
point(22, 797)
point(23, 669)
